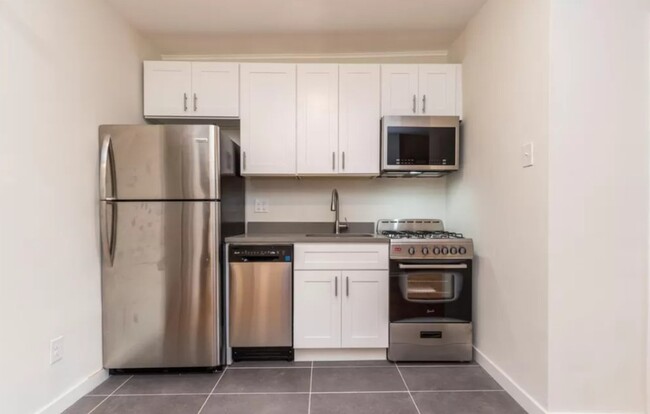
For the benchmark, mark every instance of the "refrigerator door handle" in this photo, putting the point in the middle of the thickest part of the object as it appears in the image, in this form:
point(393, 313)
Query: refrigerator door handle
point(108, 232)
point(106, 161)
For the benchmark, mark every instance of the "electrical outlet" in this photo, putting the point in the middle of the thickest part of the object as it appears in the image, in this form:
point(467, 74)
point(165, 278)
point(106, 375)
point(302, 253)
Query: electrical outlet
point(261, 205)
point(527, 155)
point(56, 350)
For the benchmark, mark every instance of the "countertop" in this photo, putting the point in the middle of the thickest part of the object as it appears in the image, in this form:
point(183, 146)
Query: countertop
point(289, 238)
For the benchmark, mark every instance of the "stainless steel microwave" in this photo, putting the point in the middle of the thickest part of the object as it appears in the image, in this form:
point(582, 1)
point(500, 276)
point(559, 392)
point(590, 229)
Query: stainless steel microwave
point(419, 145)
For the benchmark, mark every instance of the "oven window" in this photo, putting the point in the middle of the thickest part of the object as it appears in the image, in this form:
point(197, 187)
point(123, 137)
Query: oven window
point(434, 286)
point(421, 146)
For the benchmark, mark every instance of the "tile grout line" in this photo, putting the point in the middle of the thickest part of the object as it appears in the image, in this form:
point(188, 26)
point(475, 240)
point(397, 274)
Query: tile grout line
point(358, 366)
point(311, 380)
point(289, 393)
point(109, 395)
point(223, 374)
point(407, 389)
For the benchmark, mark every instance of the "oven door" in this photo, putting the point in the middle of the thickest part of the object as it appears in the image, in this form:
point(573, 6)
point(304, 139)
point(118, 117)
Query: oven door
point(424, 144)
point(428, 292)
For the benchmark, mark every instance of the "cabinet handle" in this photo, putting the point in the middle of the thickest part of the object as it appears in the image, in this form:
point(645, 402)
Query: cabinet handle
point(347, 286)
point(424, 104)
point(414, 103)
point(343, 160)
point(244, 160)
point(185, 102)
point(195, 102)
point(333, 160)
point(336, 286)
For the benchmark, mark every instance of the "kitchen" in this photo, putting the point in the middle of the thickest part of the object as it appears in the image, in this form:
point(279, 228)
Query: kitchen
point(540, 335)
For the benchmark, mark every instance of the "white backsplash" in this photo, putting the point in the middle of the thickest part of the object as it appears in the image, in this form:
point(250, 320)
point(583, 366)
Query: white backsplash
point(361, 199)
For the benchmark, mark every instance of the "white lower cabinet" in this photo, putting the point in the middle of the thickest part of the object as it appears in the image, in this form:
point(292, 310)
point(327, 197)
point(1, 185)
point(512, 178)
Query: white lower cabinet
point(317, 309)
point(335, 307)
point(364, 314)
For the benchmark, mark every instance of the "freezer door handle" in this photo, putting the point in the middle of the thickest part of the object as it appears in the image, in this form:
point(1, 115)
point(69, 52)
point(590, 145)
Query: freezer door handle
point(107, 169)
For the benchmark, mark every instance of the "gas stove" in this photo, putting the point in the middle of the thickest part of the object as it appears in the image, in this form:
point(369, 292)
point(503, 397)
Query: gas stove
point(424, 239)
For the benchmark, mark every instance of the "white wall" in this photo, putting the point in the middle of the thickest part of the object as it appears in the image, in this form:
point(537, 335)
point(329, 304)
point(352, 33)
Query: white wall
point(66, 66)
point(361, 199)
point(501, 205)
point(598, 205)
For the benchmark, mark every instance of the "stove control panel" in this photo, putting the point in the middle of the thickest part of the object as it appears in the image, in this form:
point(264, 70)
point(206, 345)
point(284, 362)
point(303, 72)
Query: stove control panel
point(421, 249)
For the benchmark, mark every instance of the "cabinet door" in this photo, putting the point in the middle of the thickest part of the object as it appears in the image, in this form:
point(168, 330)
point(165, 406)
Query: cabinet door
point(399, 89)
point(317, 309)
point(359, 119)
point(365, 309)
point(438, 89)
point(318, 119)
point(215, 89)
point(167, 88)
point(268, 119)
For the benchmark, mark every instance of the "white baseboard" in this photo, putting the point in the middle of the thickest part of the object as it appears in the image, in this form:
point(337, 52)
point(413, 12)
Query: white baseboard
point(361, 354)
point(74, 393)
point(519, 394)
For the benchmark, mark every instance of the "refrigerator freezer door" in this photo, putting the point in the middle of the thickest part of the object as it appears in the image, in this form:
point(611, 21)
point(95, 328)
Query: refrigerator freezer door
point(159, 162)
point(160, 284)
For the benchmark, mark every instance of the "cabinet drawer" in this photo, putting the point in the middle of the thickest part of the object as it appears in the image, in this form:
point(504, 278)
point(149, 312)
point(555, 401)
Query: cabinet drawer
point(344, 256)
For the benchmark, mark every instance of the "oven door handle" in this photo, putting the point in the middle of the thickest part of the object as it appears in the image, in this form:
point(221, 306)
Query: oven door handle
point(432, 266)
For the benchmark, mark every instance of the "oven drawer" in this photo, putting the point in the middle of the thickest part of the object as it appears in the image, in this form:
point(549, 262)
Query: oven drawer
point(430, 342)
point(341, 256)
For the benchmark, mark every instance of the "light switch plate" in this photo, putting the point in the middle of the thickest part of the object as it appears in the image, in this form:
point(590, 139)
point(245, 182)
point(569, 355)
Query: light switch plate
point(527, 155)
point(261, 205)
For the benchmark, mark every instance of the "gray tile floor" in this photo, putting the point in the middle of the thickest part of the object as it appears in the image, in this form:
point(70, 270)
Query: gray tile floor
point(377, 387)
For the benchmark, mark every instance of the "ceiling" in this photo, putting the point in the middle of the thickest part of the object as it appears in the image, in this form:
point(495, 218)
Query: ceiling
point(164, 19)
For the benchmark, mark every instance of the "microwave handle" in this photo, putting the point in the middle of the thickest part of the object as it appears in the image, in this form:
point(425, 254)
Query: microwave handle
point(432, 266)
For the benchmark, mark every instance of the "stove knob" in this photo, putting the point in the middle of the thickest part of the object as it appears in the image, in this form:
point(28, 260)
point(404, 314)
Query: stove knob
point(436, 250)
point(425, 250)
point(453, 250)
point(411, 250)
point(462, 250)
point(445, 250)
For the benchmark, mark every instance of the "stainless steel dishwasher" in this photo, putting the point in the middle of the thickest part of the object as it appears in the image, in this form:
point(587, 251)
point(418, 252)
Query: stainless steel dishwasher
point(261, 302)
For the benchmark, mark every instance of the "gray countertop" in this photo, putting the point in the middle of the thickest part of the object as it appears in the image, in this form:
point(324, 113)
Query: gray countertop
point(297, 232)
point(290, 238)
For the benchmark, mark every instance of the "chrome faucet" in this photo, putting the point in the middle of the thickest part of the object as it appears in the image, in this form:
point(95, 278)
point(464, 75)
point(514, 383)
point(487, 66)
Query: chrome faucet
point(335, 207)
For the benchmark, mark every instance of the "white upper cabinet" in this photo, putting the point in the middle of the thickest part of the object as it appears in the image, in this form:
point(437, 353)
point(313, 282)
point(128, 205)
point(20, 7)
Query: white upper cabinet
point(365, 309)
point(438, 89)
point(359, 119)
point(318, 115)
point(191, 89)
point(215, 89)
point(167, 88)
point(268, 119)
point(426, 89)
point(399, 89)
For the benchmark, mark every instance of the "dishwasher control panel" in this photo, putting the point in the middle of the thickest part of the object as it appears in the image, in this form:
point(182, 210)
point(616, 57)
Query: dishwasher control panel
point(260, 253)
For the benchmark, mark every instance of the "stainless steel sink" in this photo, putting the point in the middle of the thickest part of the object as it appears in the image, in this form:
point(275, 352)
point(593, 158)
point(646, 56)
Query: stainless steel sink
point(341, 235)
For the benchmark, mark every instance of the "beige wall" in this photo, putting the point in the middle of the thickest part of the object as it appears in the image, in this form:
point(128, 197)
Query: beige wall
point(361, 199)
point(501, 205)
point(65, 67)
point(598, 205)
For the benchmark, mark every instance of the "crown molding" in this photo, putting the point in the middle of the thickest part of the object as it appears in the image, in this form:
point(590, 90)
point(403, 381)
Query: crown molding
point(306, 56)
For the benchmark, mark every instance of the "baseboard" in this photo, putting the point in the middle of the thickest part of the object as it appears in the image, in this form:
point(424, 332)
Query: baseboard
point(348, 354)
point(69, 397)
point(519, 394)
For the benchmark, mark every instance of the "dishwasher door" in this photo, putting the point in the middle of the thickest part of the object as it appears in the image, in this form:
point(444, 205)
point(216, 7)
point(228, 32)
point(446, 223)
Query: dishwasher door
point(261, 304)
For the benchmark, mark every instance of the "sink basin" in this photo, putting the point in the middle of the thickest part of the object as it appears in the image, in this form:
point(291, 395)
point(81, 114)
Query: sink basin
point(341, 235)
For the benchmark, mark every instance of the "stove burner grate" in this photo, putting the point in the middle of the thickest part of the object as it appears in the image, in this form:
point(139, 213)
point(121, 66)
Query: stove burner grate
point(439, 234)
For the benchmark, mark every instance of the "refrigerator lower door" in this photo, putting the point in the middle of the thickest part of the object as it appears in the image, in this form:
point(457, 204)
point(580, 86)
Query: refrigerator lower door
point(160, 284)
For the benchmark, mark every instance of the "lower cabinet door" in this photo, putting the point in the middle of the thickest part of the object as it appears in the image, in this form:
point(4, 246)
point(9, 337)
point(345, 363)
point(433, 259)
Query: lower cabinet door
point(317, 309)
point(364, 309)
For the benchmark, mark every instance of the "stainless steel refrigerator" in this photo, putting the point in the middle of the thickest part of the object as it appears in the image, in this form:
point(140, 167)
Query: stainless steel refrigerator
point(169, 194)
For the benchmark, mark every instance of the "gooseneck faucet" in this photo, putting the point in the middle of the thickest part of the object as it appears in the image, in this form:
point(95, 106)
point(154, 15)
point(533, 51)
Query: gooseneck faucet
point(335, 207)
